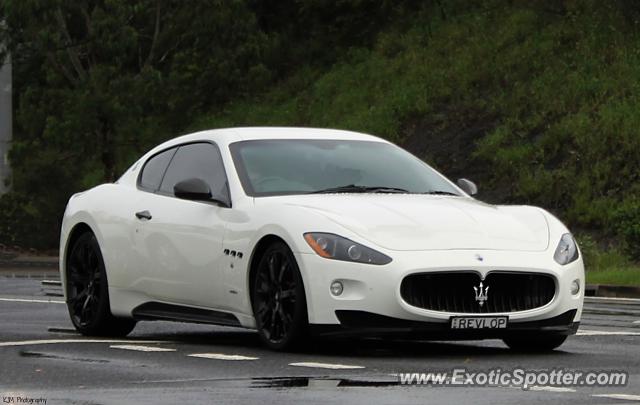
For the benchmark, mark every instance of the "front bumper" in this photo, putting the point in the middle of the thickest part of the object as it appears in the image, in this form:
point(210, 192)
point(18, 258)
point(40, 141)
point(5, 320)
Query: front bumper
point(361, 323)
point(375, 290)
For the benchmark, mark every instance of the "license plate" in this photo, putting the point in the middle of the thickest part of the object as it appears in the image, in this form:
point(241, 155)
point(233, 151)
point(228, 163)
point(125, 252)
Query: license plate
point(479, 322)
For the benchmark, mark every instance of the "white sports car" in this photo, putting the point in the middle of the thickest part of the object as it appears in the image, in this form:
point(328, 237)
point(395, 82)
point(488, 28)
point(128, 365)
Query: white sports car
point(297, 232)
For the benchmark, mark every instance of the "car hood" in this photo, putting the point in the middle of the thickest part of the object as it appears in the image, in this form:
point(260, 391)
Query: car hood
point(424, 222)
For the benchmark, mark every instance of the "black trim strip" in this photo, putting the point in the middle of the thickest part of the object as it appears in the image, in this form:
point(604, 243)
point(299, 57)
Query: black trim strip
point(151, 311)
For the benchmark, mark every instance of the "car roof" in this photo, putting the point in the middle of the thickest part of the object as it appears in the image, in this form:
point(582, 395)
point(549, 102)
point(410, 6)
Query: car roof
point(250, 133)
point(230, 135)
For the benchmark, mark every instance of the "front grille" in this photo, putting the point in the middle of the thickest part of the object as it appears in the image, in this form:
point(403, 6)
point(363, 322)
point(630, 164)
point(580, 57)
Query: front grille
point(454, 292)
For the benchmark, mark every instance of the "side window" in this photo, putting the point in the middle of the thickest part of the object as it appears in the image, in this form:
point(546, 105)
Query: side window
point(196, 160)
point(154, 169)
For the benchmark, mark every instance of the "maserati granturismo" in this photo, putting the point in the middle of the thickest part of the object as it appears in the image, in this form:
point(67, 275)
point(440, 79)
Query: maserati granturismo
point(298, 232)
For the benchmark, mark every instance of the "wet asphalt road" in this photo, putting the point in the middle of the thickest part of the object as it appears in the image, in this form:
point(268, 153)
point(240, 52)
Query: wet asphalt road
point(42, 358)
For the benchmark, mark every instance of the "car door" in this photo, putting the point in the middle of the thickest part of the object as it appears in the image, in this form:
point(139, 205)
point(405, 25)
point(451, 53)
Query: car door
point(140, 276)
point(182, 239)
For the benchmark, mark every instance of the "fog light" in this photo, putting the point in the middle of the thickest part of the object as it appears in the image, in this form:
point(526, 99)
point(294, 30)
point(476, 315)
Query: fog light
point(575, 287)
point(336, 288)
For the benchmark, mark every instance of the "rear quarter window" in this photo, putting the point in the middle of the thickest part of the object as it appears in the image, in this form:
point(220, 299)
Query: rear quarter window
point(153, 170)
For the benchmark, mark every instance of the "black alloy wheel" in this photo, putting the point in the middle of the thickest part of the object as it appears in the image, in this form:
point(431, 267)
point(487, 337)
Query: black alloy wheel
point(88, 293)
point(278, 298)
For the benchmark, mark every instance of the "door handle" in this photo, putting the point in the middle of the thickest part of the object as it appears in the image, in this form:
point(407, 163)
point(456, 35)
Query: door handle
point(143, 215)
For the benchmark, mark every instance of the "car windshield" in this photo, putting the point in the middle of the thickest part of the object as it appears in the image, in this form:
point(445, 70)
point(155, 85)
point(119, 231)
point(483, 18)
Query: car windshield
point(302, 166)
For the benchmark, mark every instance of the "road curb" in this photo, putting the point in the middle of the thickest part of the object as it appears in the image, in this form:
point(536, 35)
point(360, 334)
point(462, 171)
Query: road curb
point(26, 266)
point(30, 263)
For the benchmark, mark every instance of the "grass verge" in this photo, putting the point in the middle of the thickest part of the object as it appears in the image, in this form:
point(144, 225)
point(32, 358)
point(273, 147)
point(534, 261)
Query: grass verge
point(624, 276)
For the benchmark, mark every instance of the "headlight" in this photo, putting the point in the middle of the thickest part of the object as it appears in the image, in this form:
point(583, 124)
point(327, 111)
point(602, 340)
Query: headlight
point(567, 250)
point(338, 248)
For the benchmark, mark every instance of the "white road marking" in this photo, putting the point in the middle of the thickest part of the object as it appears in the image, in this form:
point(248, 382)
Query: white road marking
point(326, 365)
point(636, 321)
point(36, 301)
point(220, 356)
point(550, 389)
point(606, 332)
point(625, 397)
point(142, 348)
point(60, 341)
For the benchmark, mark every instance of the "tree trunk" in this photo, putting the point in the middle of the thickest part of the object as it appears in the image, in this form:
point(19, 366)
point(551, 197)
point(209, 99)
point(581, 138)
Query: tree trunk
point(107, 154)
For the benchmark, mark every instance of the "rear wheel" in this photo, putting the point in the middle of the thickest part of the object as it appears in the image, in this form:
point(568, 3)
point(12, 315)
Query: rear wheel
point(535, 342)
point(278, 299)
point(88, 292)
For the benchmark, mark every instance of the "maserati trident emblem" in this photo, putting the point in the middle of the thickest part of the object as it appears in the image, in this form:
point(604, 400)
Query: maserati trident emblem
point(481, 294)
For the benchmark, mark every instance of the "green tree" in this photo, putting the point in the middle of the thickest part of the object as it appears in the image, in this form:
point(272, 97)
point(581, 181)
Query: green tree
point(98, 82)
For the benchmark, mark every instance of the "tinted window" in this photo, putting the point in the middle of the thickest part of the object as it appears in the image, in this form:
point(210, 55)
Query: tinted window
point(196, 160)
point(154, 169)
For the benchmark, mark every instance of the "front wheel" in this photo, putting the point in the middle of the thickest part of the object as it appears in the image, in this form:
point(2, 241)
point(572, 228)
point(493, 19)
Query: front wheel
point(535, 342)
point(88, 292)
point(278, 299)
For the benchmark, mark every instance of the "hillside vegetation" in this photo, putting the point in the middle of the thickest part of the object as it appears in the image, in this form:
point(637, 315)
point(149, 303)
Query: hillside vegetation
point(536, 101)
point(538, 104)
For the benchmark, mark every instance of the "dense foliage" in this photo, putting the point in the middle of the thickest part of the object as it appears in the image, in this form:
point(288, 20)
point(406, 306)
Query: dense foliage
point(537, 101)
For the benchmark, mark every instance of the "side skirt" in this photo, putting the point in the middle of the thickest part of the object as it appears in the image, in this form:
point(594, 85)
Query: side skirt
point(158, 311)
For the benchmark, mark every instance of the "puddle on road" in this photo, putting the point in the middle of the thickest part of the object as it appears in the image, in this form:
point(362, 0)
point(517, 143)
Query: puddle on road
point(318, 382)
point(25, 353)
point(68, 331)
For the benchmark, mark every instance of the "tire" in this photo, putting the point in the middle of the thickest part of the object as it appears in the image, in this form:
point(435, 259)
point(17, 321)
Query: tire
point(278, 299)
point(535, 343)
point(88, 291)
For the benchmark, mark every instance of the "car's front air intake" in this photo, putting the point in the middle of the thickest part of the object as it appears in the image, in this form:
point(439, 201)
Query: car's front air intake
point(462, 292)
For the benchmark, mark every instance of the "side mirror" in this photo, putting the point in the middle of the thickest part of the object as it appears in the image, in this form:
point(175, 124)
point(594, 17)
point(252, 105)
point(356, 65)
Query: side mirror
point(198, 190)
point(192, 189)
point(468, 186)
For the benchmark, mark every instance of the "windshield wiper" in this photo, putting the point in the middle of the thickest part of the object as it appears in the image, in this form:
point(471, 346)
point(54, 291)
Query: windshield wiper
point(352, 188)
point(440, 192)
